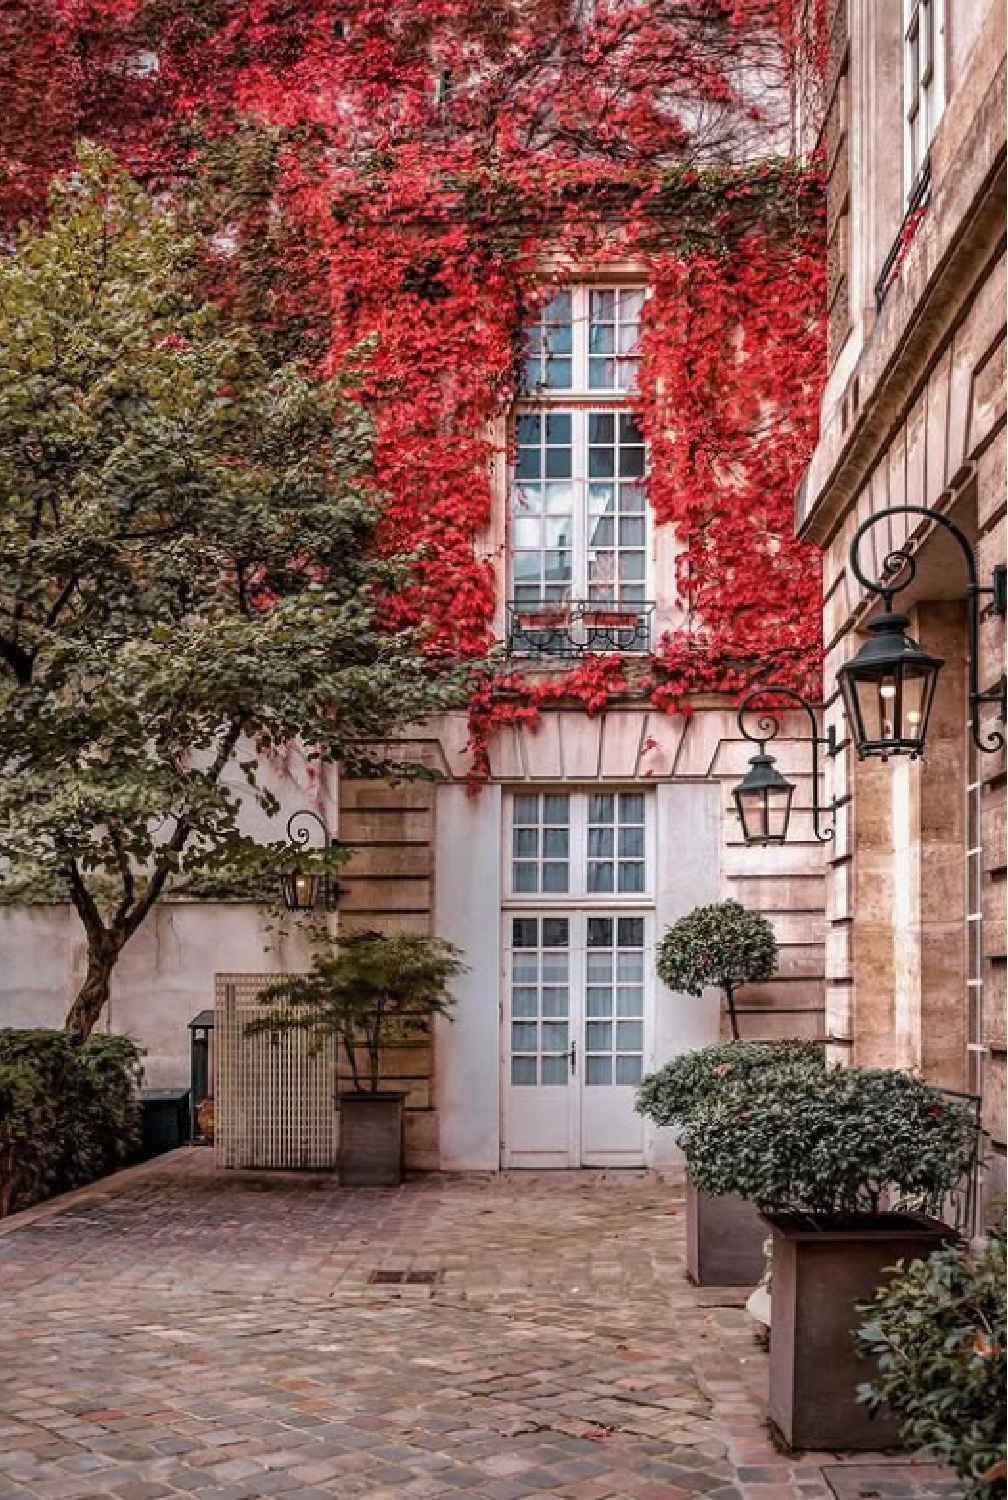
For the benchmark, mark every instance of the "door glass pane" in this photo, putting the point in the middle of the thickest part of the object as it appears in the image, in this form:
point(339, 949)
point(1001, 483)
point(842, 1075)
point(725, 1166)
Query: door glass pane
point(598, 1070)
point(614, 1013)
point(540, 1002)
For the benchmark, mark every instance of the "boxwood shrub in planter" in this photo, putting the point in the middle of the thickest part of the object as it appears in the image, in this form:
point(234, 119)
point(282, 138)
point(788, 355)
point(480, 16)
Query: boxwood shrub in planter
point(724, 1232)
point(823, 1156)
point(937, 1332)
point(370, 990)
point(69, 1111)
point(722, 945)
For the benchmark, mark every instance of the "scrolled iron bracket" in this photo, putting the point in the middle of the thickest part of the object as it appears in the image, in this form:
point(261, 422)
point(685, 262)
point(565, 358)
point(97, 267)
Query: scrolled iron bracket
point(768, 728)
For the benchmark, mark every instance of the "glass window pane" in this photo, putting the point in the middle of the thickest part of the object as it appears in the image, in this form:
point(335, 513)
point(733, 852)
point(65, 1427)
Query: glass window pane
point(524, 932)
point(631, 498)
point(527, 464)
point(524, 876)
point(558, 464)
point(600, 876)
point(631, 842)
point(630, 429)
point(630, 967)
point(601, 304)
point(524, 1036)
point(600, 932)
point(601, 497)
point(598, 1070)
point(524, 1002)
point(629, 338)
point(630, 932)
point(601, 338)
point(600, 809)
point(599, 1001)
point(631, 303)
point(558, 340)
point(555, 1001)
point(601, 463)
point(555, 967)
point(556, 809)
point(631, 878)
point(555, 1071)
point(601, 533)
point(523, 1070)
point(630, 1001)
point(527, 565)
point(601, 374)
point(526, 843)
point(600, 968)
point(527, 533)
point(559, 499)
point(631, 463)
point(558, 374)
point(525, 967)
point(526, 499)
point(630, 1036)
point(598, 1036)
point(558, 533)
point(526, 809)
point(555, 843)
point(629, 1070)
point(554, 1036)
point(558, 567)
point(601, 428)
point(554, 932)
point(600, 843)
point(631, 531)
point(554, 877)
point(527, 430)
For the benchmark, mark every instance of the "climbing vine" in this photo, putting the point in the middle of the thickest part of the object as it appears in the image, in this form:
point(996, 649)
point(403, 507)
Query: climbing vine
point(388, 188)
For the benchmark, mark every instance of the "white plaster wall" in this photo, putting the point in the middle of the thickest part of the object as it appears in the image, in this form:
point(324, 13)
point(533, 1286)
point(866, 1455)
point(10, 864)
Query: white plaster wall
point(166, 973)
point(467, 910)
point(688, 873)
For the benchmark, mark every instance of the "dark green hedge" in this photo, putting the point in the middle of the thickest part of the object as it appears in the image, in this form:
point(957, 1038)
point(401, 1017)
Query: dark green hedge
point(69, 1112)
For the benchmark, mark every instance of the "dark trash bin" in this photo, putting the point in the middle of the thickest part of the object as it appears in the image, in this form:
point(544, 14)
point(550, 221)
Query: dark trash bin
point(164, 1117)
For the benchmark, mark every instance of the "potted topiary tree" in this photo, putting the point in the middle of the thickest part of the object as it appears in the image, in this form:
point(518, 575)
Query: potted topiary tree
point(826, 1157)
point(370, 990)
point(722, 945)
point(938, 1334)
point(725, 1234)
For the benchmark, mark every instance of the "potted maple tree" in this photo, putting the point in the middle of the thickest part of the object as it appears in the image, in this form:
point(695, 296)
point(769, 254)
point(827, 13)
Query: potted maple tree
point(369, 990)
point(850, 1168)
point(722, 945)
point(725, 1234)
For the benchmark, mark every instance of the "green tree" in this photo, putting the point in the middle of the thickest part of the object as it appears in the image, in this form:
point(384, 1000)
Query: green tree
point(186, 579)
point(370, 990)
point(722, 945)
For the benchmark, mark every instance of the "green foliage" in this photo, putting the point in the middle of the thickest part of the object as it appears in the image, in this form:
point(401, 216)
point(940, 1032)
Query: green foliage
point(69, 1112)
point(722, 945)
point(187, 575)
point(669, 1095)
point(828, 1142)
point(938, 1331)
point(370, 990)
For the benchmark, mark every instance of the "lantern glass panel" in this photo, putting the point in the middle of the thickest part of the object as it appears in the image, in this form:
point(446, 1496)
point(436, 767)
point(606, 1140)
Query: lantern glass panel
point(764, 812)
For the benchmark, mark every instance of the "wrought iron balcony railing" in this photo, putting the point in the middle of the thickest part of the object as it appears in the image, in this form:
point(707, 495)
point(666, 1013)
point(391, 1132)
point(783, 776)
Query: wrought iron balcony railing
point(576, 627)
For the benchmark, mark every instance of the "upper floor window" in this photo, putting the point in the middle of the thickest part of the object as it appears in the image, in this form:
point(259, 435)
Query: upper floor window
point(584, 339)
point(578, 525)
point(923, 83)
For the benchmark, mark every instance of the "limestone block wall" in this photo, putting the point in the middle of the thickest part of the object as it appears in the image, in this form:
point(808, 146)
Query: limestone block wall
point(915, 892)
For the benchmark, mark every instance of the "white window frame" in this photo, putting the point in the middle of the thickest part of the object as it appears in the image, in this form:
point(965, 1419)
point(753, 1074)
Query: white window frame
point(923, 84)
point(582, 554)
point(577, 895)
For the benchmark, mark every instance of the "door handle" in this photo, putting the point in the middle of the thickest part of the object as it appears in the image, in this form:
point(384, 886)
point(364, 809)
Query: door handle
point(573, 1057)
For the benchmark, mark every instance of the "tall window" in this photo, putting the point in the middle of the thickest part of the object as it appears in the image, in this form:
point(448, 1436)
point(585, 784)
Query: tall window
point(579, 844)
point(923, 83)
point(578, 522)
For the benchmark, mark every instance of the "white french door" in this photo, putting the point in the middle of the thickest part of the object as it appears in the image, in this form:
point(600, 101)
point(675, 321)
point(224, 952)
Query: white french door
point(575, 1036)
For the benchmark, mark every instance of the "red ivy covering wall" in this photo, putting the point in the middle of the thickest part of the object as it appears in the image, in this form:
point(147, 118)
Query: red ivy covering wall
point(380, 179)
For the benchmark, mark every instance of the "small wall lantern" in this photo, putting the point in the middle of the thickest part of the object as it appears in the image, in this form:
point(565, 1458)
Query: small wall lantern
point(764, 796)
point(889, 686)
point(304, 890)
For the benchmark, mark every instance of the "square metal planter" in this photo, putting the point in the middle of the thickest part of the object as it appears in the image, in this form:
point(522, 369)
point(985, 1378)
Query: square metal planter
point(372, 1139)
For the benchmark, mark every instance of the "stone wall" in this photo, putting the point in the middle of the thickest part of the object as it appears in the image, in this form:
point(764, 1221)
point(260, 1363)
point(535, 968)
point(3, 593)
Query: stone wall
point(918, 417)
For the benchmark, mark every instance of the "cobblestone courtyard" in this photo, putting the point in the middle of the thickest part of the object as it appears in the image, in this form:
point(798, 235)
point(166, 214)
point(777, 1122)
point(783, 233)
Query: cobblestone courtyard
point(181, 1332)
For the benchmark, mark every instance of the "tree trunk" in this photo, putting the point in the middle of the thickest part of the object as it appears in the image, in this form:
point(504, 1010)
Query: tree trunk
point(92, 997)
point(732, 1016)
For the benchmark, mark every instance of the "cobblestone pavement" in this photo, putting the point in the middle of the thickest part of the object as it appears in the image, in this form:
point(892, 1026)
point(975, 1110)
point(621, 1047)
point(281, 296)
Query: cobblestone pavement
point(179, 1332)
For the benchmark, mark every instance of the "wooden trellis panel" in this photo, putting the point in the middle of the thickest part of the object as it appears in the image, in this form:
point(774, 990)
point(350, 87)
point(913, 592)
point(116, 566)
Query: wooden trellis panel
point(273, 1102)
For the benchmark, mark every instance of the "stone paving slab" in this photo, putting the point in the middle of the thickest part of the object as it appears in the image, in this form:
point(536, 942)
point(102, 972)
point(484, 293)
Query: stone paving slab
point(182, 1332)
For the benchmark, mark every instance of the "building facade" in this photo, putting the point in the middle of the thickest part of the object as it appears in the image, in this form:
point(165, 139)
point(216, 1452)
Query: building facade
point(914, 413)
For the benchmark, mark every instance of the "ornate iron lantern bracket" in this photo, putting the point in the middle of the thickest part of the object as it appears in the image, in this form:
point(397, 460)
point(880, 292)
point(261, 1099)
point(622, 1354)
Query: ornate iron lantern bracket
point(302, 891)
point(763, 797)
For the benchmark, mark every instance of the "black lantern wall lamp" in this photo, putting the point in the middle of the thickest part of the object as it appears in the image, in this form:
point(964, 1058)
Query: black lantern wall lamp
point(763, 797)
point(888, 687)
point(303, 890)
